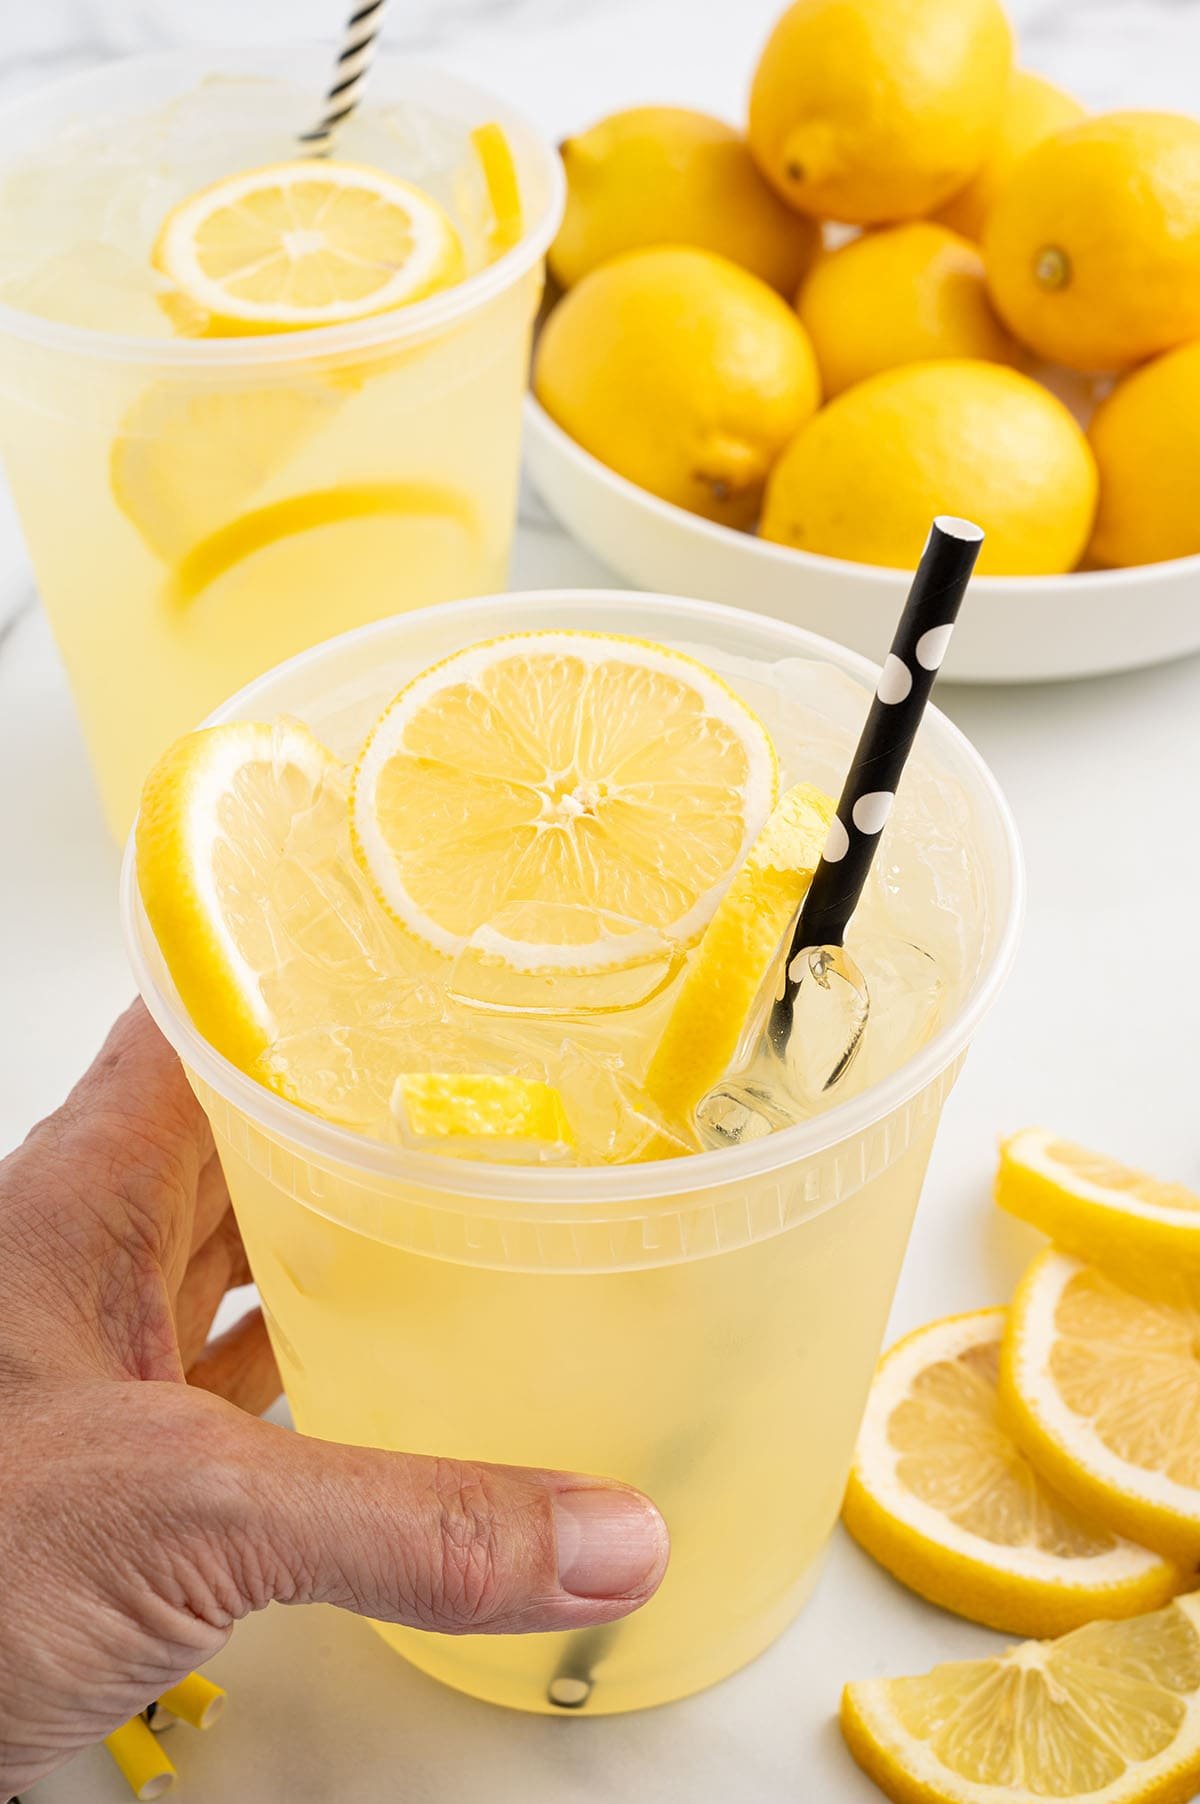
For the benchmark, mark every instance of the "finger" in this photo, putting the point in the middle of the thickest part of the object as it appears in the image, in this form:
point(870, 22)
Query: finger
point(212, 1202)
point(219, 1266)
point(434, 1543)
point(239, 1365)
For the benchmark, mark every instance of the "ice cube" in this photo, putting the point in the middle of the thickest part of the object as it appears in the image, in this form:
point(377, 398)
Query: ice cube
point(485, 975)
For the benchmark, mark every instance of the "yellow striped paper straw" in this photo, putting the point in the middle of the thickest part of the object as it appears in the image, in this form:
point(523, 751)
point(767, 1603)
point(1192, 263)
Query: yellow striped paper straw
point(139, 1755)
point(195, 1700)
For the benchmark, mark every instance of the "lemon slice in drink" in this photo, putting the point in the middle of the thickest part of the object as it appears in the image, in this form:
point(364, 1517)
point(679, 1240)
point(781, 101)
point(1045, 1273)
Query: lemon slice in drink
point(943, 1498)
point(187, 460)
point(481, 1114)
point(218, 812)
point(303, 244)
point(492, 147)
point(1094, 1206)
point(732, 960)
point(1102, 1387)
point(1109, 1713)
point(592, 778)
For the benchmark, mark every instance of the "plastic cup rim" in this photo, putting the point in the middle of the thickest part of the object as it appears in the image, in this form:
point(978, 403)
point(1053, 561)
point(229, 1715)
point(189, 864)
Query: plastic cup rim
point(401, 325)
point(594, 1185)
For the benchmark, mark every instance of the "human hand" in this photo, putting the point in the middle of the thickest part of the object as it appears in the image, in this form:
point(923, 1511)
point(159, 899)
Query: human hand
point(143, 1511)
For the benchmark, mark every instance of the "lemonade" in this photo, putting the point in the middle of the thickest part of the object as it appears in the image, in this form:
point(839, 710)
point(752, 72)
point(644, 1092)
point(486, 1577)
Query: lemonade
point(203, 498)
point(604, 1296)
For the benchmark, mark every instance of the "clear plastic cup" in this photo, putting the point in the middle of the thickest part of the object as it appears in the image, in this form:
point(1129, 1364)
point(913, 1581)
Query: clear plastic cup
point(199, 509)
point(704, 1328)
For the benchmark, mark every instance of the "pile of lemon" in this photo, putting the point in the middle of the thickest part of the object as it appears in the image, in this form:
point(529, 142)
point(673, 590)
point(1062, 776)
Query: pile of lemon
point(898, 293)
point(1037, 1469)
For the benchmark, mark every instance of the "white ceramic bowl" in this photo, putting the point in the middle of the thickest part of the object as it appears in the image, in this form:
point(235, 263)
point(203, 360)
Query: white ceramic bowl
point(1013, 629)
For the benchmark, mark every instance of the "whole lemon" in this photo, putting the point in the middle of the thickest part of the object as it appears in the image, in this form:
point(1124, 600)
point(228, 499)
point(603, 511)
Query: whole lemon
point(865, 477)
point(1034, 109)
point(902, 295)
point(867, 110)
point(1093, 247)
point(681, 371)
point(1146, 437)
point(664, 175)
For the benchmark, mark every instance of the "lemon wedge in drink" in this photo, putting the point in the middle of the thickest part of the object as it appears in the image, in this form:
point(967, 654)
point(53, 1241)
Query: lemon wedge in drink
point(611, 786)
point(1096, 1207)
point(482, 1114)
point(1110, 1713)
point(219, 813)
point(304, 244)
point(942, 1497)
point(733, 959)
point(1101, 1385)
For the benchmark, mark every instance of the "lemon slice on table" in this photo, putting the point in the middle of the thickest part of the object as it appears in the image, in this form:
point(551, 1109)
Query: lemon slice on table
point(1094, 1206)
point(1109, 1713)
point(481, 1114)
point(499, 167)
point(302, 244)
point(610, 786)
point(1102, 1388)
point(734, 957)
point(943, 1498)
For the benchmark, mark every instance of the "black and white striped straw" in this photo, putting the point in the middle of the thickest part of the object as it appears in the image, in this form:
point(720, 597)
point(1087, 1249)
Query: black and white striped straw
point(909, 673)
point(349, 77)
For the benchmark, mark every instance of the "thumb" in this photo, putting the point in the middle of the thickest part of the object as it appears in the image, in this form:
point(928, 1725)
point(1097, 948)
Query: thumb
point(433, 1543)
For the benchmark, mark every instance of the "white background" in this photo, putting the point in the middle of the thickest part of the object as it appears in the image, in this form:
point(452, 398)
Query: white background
point(1097, 1033)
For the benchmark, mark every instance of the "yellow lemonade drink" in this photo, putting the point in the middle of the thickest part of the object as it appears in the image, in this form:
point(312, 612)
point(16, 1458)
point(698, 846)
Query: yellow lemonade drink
point(202, 496)
point(565, 1280)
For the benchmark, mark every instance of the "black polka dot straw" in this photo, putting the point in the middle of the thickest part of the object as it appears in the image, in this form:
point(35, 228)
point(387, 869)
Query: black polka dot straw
point(804, 1047)
point(349, 76)
point(909, 672)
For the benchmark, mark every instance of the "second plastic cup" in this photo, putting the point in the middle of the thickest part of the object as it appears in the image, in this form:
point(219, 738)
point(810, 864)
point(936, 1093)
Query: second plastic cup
point(704, 1328)
point(199, 509)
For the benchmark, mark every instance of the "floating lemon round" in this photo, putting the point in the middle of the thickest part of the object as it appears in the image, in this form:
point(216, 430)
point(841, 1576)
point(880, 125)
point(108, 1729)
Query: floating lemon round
point(682, 372)
point(909, 294)
point(1102, 1388)
point(1109, 1714)
point(970, 438)
point(943, 1498)
point(866, 110)
point(1093, 247)
point(602, 788)
point(667, 175)
point(304, 244)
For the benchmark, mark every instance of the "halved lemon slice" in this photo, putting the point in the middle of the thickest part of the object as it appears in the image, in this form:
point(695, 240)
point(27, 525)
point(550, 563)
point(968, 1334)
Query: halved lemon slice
point(304, 244)
point(609, 786)
point(1094, 1206)
point(1102, 1388)
point(488, 1114)
point(219, 812)
point(499, 167)
point(732, 960)
point(943, 1498)
point(1109, 1713)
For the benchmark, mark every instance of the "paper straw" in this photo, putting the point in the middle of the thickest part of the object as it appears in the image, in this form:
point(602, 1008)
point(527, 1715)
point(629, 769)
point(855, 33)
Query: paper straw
point(195, 1700)
point(139, 1755)
point(349, 76)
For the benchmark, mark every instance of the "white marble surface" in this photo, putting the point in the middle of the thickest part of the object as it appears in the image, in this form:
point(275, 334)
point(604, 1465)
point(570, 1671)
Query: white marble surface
point(1095, 1034)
